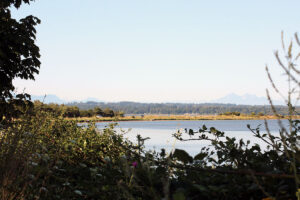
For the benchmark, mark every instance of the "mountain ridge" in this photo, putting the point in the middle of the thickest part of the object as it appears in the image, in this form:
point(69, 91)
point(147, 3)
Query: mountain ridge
point(232, 98)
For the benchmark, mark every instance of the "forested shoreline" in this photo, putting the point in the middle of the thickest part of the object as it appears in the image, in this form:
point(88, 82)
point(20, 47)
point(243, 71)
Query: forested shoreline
point(181, 108)
point(157, 111)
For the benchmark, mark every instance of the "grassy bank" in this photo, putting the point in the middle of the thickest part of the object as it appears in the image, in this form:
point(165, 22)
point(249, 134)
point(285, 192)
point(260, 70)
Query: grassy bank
point(175, 117)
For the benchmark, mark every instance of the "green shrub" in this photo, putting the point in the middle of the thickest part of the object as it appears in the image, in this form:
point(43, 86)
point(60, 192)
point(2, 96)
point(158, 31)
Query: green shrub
point(47, 157)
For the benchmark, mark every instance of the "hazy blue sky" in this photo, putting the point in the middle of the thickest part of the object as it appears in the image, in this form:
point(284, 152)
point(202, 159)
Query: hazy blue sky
point(158, 50)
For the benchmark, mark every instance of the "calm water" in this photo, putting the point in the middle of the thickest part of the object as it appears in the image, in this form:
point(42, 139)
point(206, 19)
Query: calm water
point(161, 132)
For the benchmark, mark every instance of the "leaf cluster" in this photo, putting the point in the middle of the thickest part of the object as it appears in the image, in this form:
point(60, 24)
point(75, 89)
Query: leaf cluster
point(19, 54)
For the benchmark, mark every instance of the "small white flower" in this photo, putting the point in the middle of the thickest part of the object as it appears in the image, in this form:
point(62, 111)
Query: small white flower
point(78, 192)
point(107, 159)
point(66, 184)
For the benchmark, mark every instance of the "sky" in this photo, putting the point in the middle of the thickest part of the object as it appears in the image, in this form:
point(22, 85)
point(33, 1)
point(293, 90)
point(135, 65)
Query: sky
point(158, 51)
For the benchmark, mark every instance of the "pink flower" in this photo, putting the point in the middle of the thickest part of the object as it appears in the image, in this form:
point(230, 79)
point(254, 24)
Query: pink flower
point(134, 164)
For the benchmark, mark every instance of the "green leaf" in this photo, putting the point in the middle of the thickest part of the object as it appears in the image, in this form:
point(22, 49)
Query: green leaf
point(178, 196)
point(182, 155)
point(200, 187)
point(200, 156)
point(213, 130)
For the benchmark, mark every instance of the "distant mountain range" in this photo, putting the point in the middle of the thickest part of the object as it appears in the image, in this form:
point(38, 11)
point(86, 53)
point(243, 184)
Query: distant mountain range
point(51, 98)
point(247, 99)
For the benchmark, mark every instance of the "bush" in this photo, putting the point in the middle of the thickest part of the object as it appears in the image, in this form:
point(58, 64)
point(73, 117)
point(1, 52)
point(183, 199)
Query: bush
point(47, 157)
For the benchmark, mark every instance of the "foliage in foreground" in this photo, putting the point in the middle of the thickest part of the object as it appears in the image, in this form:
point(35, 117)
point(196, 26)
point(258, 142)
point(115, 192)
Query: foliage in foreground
point(46, 157)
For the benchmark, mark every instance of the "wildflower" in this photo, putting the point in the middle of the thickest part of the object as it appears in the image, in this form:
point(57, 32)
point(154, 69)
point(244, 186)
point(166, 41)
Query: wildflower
point(134, 164)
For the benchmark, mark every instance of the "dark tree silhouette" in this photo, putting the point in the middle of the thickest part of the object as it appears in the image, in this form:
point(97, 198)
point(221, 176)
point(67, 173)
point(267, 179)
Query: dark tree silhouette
point(19, 55)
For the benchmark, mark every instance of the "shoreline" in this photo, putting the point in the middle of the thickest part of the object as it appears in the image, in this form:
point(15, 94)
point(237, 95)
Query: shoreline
point(177, 118)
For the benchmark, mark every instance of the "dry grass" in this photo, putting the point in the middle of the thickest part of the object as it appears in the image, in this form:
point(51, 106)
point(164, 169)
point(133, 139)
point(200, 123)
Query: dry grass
point(176, 117)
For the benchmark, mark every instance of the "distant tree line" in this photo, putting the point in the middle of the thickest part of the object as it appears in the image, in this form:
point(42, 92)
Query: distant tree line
point(231, 113)
point(238, 113)
point(74, 111)
point(183, 108)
